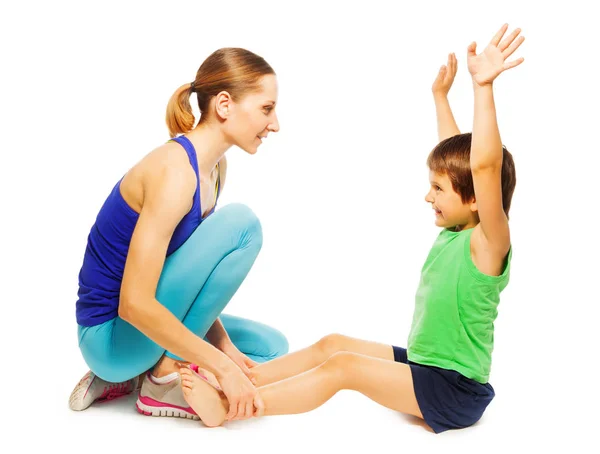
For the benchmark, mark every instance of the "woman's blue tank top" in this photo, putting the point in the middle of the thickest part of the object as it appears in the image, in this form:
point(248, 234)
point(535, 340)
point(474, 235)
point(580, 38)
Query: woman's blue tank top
point(108, 243)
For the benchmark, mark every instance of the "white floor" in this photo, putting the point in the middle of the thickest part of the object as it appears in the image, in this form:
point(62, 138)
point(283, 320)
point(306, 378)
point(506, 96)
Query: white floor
point(347, 423)
point(536, 407)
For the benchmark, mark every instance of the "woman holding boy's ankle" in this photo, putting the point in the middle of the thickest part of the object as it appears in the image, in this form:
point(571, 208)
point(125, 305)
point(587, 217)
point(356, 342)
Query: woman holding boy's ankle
point(161, 264)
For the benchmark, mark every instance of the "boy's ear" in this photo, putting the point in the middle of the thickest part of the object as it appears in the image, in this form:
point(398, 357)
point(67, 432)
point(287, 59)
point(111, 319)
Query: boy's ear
point(473, 205)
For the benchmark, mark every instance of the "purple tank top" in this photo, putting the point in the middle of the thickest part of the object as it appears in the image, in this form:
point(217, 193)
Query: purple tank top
point(108, 243)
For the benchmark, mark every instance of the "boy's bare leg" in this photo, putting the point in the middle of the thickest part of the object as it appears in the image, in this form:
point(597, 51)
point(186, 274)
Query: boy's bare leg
point(302, 360)
point(387, 382)
point(297, 362)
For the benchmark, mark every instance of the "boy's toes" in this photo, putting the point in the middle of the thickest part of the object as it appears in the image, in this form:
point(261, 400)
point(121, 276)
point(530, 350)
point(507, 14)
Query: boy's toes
point(186, 380)
point(185, 373)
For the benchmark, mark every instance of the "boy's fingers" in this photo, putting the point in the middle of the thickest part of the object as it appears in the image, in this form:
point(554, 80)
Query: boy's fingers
point(496, 39)
point(514, 46)
point(514, 63)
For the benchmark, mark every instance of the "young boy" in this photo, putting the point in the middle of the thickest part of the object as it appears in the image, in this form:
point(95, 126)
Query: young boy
point(442, 376)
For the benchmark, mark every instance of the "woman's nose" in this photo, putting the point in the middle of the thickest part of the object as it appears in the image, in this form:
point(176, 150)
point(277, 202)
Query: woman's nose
point(275, 125)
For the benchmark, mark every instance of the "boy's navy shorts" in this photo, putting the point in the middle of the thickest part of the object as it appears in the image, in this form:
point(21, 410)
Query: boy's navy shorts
point(446, 398)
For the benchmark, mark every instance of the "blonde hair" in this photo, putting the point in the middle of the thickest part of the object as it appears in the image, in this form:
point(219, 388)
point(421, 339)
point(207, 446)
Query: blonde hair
point(232, 69)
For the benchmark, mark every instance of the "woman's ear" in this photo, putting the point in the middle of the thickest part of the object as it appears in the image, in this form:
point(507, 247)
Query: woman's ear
point(223, 103)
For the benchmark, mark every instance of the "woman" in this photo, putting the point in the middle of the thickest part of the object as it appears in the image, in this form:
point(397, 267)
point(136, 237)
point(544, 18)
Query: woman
point(161, 264)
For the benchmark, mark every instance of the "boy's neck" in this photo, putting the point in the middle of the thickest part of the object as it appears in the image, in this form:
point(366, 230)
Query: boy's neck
point(472, 223)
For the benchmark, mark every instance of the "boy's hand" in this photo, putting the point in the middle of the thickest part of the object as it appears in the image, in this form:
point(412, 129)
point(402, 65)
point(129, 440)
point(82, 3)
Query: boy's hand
point(443, 81)
point(486, 66)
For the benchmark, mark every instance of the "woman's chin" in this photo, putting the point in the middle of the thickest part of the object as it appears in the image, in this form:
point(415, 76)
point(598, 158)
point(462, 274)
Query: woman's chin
point(252, 149)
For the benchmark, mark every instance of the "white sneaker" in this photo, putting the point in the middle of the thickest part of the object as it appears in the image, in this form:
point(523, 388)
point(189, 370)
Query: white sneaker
point(164, 399)
point(92, 388)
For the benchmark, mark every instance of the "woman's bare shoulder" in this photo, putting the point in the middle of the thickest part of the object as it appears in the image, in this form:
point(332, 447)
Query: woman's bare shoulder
point(169, 157)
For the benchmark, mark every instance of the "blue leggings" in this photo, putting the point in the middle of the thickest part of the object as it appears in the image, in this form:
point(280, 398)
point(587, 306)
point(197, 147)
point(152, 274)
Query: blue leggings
point(196, 283)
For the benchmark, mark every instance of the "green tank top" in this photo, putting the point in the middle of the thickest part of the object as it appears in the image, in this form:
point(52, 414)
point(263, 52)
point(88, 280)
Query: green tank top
point(455, 308)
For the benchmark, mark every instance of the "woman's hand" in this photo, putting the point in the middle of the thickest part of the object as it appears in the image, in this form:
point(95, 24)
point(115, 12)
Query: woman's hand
point(241, 360)
point(243, 397)
point(443, 82)
point(486, 66)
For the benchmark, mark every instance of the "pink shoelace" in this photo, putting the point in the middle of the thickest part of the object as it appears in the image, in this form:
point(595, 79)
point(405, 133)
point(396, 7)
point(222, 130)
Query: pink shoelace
point(114, 391)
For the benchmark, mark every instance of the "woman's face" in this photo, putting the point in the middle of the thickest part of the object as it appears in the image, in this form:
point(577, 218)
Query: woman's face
point(253, 117)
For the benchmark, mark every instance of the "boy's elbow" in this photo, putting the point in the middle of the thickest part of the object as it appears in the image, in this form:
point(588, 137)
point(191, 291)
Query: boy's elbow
point(485, 159)
point(482, 166)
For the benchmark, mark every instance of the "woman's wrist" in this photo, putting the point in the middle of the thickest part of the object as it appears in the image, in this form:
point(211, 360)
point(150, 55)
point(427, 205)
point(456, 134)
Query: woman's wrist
point(224, 366)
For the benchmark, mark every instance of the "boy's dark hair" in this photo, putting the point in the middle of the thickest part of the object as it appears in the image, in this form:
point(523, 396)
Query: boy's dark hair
point(452, 157)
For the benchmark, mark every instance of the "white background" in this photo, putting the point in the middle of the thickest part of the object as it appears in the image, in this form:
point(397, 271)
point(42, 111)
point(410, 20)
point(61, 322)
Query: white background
point(339, 191)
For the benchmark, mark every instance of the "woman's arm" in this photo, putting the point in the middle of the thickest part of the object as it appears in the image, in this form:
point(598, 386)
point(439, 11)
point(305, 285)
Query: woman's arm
point(166, 201)
point(216, 334)
point(167, 198)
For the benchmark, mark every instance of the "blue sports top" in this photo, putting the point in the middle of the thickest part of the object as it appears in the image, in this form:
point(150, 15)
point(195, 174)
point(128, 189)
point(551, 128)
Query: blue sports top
point(108, 243)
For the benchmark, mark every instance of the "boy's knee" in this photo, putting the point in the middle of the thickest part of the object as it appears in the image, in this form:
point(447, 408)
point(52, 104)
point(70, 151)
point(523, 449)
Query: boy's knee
point(331, 344)
point(339, 364)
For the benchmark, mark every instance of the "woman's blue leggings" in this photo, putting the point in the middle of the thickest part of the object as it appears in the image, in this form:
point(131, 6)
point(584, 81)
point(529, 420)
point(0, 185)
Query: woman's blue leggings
point(196, 283)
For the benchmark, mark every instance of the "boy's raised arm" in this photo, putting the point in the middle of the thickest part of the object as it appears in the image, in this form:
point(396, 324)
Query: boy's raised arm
point(486, 145)
point(446, 125)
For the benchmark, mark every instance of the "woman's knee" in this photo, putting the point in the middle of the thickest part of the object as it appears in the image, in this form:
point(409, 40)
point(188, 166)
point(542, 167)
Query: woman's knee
point(242, 217)
point(273, 344)
point(122, 371)
point(124, 363)
point(114, 374)
point(242, 223)
point(278, 344)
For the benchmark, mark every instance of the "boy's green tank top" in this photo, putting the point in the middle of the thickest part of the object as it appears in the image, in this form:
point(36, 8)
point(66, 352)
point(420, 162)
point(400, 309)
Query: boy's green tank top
point(455, 309)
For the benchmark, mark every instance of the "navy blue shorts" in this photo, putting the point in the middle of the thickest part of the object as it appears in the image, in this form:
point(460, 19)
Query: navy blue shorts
point(446, 398)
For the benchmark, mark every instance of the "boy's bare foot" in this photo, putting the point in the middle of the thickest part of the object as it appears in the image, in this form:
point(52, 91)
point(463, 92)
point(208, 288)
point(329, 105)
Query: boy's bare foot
point(208, 403)
point(208, 376)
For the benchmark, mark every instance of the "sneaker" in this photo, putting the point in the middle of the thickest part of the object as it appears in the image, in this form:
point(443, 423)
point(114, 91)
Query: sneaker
point(92, 388)
point(163, 399)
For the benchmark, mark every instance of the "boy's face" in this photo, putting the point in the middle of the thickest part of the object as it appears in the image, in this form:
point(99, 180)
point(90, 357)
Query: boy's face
point(450, 211)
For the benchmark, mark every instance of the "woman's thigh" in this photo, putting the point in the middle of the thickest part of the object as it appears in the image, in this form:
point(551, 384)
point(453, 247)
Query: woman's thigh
point(116, 350)
point(258, 341)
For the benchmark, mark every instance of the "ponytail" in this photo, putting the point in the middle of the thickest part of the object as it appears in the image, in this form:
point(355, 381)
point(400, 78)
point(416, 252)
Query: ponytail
point(180, 118)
